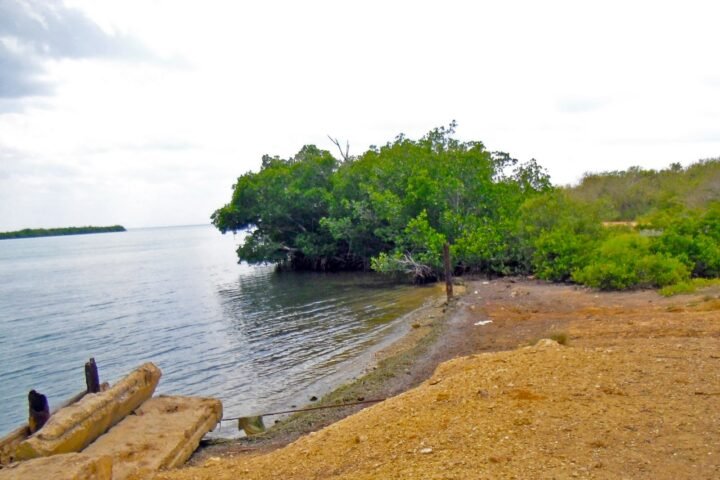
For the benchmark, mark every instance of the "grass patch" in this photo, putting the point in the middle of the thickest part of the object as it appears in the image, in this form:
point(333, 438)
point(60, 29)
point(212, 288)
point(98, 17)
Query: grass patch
point(690, 286)
point(560, 337)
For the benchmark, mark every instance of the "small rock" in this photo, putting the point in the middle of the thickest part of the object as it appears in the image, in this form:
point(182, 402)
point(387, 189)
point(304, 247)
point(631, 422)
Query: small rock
point(426, 450)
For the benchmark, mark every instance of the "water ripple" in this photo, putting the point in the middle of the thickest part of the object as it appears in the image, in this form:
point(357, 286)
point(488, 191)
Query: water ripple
point(177, 297)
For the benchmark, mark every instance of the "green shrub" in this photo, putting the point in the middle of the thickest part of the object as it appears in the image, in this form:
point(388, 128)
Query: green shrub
point(559, 253)
point(658, 270)
point(689, 286)
point(626, 261)
point(559, 234)
point(691, 236)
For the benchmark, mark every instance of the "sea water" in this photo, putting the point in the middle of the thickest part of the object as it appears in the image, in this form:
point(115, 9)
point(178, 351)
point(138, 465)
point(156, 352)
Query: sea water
point(176, 296)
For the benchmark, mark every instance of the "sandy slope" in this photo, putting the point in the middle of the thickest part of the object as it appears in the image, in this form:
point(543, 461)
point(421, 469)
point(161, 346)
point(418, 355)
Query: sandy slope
point(636, 394)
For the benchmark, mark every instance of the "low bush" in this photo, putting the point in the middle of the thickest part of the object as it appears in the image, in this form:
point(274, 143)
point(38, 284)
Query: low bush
point(626, 261)
point(689, 286)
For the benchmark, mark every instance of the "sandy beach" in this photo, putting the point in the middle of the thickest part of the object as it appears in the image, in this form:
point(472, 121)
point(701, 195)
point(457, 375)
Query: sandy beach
point(629, 388)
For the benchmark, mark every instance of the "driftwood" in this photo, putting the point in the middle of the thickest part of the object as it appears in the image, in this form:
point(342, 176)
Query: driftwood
point(420, 272)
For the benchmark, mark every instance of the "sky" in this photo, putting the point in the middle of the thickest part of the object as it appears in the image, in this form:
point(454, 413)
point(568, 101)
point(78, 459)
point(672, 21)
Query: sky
point(144, 112)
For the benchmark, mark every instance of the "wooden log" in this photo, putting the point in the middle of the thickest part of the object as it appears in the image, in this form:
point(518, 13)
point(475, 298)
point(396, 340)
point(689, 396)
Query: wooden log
point(448, 271)
point(39, 410)
point(92, 379)
point(76, 426)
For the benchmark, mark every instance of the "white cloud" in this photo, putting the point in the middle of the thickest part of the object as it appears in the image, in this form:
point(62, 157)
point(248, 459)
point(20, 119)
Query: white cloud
point(579, 87)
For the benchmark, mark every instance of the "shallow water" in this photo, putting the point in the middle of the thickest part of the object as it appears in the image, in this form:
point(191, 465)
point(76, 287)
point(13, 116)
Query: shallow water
point(176, 296)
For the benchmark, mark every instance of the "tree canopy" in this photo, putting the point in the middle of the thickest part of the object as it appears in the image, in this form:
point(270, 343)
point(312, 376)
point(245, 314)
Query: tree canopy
point(392, 209)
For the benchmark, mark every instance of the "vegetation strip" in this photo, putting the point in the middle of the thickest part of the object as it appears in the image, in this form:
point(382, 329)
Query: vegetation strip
point(56, 232)
point(392, 209)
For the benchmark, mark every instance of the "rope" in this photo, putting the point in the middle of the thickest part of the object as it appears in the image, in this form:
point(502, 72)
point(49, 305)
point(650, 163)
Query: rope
point(308, 409)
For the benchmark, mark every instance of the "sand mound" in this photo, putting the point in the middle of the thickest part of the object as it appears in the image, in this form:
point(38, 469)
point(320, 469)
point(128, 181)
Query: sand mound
point(537, 412)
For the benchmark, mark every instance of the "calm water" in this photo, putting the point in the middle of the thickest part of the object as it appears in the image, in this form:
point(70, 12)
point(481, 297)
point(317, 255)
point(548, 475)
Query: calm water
point(177, 297)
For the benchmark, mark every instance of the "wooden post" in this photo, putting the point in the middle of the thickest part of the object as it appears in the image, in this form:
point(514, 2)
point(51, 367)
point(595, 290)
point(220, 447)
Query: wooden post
point(92, 379)
point(39, 410)
point(448, 272)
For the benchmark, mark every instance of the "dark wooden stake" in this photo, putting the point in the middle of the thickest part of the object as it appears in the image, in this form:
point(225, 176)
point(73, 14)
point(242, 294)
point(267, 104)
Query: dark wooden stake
point(39, 410)
point(448, 272)
point(92, 379)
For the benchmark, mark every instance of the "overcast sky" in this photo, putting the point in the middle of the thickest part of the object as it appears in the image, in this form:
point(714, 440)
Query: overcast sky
point(143, 112)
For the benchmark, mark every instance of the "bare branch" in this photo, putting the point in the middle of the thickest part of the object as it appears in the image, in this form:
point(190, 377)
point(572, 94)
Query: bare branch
point(346, 154)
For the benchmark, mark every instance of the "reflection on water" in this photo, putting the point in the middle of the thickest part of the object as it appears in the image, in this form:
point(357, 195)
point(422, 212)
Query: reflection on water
point(176, 296)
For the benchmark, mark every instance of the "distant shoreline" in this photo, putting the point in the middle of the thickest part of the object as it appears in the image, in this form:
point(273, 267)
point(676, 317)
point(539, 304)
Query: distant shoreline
point(56, 232)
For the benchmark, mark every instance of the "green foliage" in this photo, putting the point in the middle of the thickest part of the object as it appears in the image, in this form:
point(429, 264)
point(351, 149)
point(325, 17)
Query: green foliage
point(281, 207)
point(423, 242)
point(693, 236)
point(391, 209)
point(690, 286)
point(626, 261)
point(397, 204)
point(559, 234)
point(54, 232)
point(635, 192)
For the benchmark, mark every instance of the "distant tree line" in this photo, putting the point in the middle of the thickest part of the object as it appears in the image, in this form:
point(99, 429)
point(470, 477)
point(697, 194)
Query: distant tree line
point(391, 209)
point(53, 232)
point(632, 193)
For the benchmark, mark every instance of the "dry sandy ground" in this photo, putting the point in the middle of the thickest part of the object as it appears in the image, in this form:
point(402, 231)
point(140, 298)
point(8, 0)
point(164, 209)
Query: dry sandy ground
point(634, 394)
